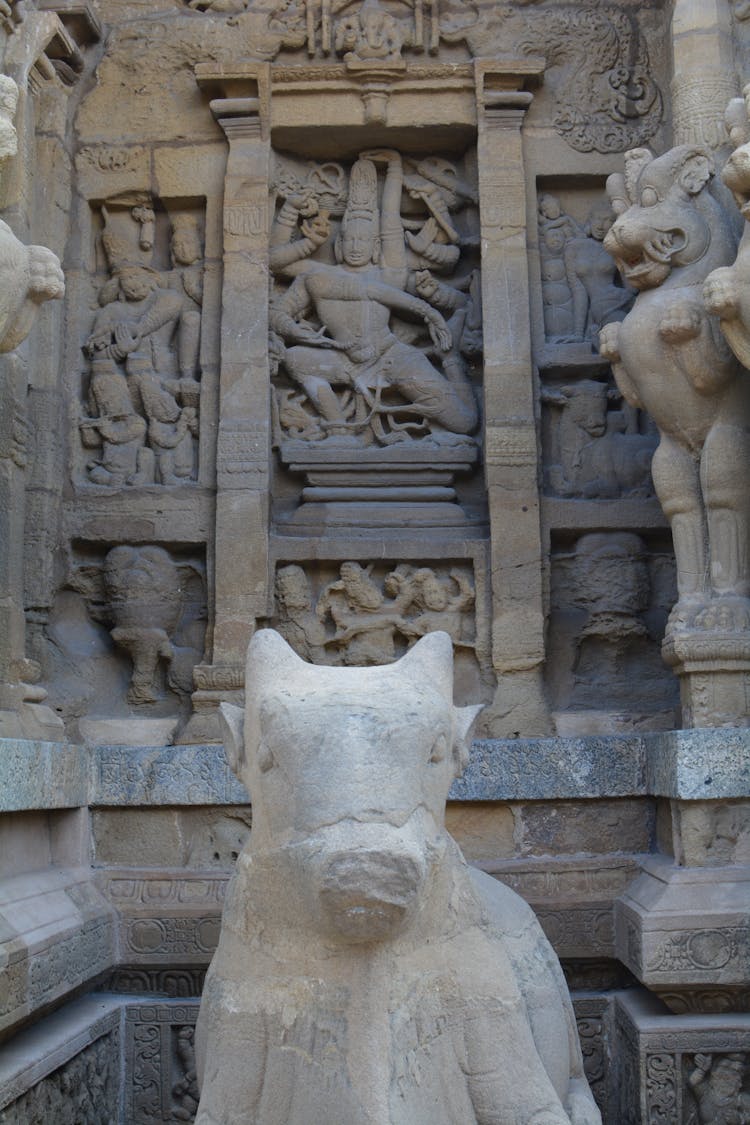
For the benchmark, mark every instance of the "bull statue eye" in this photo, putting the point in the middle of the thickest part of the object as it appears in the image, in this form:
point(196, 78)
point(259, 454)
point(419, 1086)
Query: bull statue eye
point(265, 757)
point(649, 198)
point(439, 749)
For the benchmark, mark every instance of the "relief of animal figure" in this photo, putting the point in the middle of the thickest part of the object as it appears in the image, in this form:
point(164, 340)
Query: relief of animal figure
point(364, 973)
point(670, 358)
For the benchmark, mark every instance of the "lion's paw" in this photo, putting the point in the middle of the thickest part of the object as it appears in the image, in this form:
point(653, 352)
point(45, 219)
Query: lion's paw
point(721, 294)
point(609, 341)
point(683, 322)
point(46, 278)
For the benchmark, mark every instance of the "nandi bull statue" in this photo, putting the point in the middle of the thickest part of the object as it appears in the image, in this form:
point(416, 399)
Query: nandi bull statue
point(365, 975)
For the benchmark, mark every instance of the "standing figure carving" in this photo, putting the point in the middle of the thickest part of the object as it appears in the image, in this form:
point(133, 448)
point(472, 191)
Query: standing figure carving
point(143, 348)
point(346, 331)
point(670, 358)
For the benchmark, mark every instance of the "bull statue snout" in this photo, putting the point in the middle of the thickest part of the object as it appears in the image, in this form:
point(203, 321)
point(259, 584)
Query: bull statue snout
point(370, 895)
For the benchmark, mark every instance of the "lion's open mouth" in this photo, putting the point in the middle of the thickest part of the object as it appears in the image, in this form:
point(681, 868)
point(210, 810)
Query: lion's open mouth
point(655, 254)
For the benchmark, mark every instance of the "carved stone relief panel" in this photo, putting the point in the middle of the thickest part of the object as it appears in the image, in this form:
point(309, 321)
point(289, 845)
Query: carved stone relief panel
point(85, 1091)
point(603, 93)
point(610, 595)
point(595, 445)
point(376, 324)
point(160, 1077)
point(581, 291)
point(141, 387)
point(126, 631)
point(367, 614)
point(677, 1071)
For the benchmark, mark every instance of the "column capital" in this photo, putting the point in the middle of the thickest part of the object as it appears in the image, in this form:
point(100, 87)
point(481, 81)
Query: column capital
point(502, 87)
point(240, 97)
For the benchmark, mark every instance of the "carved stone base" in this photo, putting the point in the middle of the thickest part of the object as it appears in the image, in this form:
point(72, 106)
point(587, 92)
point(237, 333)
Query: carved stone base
point(714, 671)
point(215, 684)
point(407, 483)
point(34, 721)
point(686, 930)
point(678, 1069)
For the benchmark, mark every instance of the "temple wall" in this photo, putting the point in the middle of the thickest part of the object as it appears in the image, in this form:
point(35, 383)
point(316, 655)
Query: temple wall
point(220, 426)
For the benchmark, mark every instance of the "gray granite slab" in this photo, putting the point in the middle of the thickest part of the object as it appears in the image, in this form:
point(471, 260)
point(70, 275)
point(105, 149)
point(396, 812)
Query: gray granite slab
point(541, 769)
point(702, 764)
point(163, 775)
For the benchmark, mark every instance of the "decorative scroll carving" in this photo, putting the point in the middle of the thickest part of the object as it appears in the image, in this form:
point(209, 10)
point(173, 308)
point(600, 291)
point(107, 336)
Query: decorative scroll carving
point(352, 363)
point(360, 621)
point(143, 390)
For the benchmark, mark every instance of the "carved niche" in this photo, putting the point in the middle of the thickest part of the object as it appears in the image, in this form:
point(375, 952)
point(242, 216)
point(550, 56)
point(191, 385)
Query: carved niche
point(596, 446)
point(610, 596)
point(140, 414)
point(375, 321)
point(152, 604)
point(581, 287)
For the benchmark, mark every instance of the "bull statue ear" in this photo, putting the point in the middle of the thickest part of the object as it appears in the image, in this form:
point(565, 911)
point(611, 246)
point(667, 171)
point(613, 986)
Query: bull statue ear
point(463, 720)
point(696, 172)
point(232, 724)
point(431, 661)
point(269, 660)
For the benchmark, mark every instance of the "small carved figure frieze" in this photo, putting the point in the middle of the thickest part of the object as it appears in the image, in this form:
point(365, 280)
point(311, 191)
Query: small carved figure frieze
point(360, 619)
point(142, 402)
point(368, 345)
point(597, 445)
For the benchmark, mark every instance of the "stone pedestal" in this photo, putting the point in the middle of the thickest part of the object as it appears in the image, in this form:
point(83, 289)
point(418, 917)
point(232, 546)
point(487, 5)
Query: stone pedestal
point(714, 671)
point(661, 1075)
point(401, 485)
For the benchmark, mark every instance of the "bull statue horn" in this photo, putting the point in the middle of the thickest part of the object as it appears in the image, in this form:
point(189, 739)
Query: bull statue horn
point(270, 658)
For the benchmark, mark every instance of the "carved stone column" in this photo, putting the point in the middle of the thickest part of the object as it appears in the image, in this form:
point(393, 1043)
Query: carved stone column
point(240, 104)
point(704, 78)
point(511, 453)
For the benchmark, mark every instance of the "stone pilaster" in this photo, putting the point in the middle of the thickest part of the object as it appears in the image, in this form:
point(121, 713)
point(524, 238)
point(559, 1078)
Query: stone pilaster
point(511, 450)
point(240, 104)
point(703, 65)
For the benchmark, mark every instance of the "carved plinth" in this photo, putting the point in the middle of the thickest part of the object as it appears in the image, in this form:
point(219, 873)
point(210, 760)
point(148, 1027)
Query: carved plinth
point(714, 671)
point(408, 483)
point(685, 933)
point(214, 684)
point(676, 1069)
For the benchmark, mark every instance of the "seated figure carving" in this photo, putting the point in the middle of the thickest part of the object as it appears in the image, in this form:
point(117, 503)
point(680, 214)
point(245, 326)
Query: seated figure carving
point(670, 358)
point(333, 330)
point(364, 973)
